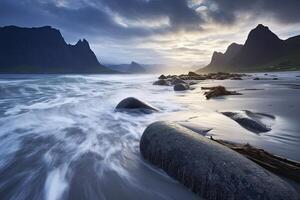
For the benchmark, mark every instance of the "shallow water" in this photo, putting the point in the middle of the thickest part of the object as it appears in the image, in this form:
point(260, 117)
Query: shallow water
point(61, 139)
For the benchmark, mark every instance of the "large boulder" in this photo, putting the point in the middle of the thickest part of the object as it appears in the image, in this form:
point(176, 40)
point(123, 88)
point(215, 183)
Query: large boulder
point(181, 87)
point(208, 168)
point(132, 104)
point(254, 122)
point(218, 91)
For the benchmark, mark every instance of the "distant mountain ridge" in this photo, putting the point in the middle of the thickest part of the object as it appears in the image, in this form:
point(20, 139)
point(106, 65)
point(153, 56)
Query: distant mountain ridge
point(44, 50)
point(262, 51)
point(133, 67)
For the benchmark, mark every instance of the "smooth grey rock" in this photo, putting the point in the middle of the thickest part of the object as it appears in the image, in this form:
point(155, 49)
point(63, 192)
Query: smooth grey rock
point(211, 170)
point(250, 120)
point(181, 87)
point(135, 105)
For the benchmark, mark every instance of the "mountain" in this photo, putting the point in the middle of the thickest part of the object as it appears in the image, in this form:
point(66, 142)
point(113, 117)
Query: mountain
point(262, 51)
point(44, 50)
point(133, 68)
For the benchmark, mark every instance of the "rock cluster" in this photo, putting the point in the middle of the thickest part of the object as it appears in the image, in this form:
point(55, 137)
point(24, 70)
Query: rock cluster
point(214, 76)
point(183, 81)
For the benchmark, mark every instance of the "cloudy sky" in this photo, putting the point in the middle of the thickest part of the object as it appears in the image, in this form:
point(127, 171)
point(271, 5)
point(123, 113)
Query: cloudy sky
point(175, 32)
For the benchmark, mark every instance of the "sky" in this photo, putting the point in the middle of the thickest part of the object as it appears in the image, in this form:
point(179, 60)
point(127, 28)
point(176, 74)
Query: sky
point(182, 33)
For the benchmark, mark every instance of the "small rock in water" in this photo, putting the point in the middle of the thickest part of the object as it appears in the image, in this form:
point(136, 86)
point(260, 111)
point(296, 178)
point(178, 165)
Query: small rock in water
point(133, 104)
point(162, 82)
point(251, 121)
point(193, 74)
point(162, 77)
point(181, 87)
point(218, 91)
point(192, 83)
point(177, 80)
point(236, 78)
point(256, 79)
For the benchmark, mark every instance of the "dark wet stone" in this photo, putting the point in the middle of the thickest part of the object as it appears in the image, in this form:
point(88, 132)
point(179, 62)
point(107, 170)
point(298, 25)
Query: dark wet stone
point(250, 120)
point(162, 77)
point(193, 74)
point(177, 80)
point(192, 83)
point(133, 104)
point(181, 87)
point(208, 168)
point(236, 78)
point(256, 79)
point(162, 82)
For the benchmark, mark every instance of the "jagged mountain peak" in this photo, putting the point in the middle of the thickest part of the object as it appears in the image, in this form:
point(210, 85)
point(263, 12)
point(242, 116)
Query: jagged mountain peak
point(262, 49)
point(44, 50)
point(83, 43)
point(261, 34)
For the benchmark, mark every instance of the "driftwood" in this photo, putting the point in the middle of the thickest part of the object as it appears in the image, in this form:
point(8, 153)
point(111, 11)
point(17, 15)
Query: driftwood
point(217, 91)
point(276, 164)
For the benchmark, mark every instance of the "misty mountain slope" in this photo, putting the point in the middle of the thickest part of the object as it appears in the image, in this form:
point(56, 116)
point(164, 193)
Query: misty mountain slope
point(263, 50)
point(133, 68)
point(44, 50)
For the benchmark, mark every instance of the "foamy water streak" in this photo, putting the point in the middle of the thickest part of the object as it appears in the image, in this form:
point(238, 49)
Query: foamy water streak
point(61, 139)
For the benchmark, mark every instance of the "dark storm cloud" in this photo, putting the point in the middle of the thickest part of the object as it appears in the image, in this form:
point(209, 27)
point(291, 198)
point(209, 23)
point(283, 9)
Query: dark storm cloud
point(178, 11)
point(96, 16)
point(228, 11)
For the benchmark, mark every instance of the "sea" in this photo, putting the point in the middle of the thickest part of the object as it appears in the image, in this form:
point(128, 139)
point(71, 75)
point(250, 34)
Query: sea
point(61, 138)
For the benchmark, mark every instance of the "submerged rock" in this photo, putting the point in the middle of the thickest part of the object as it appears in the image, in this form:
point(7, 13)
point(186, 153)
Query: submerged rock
point(251, 121)
point(209, 169)
point(218, 91)
point(181, 87)
point(133, 104)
